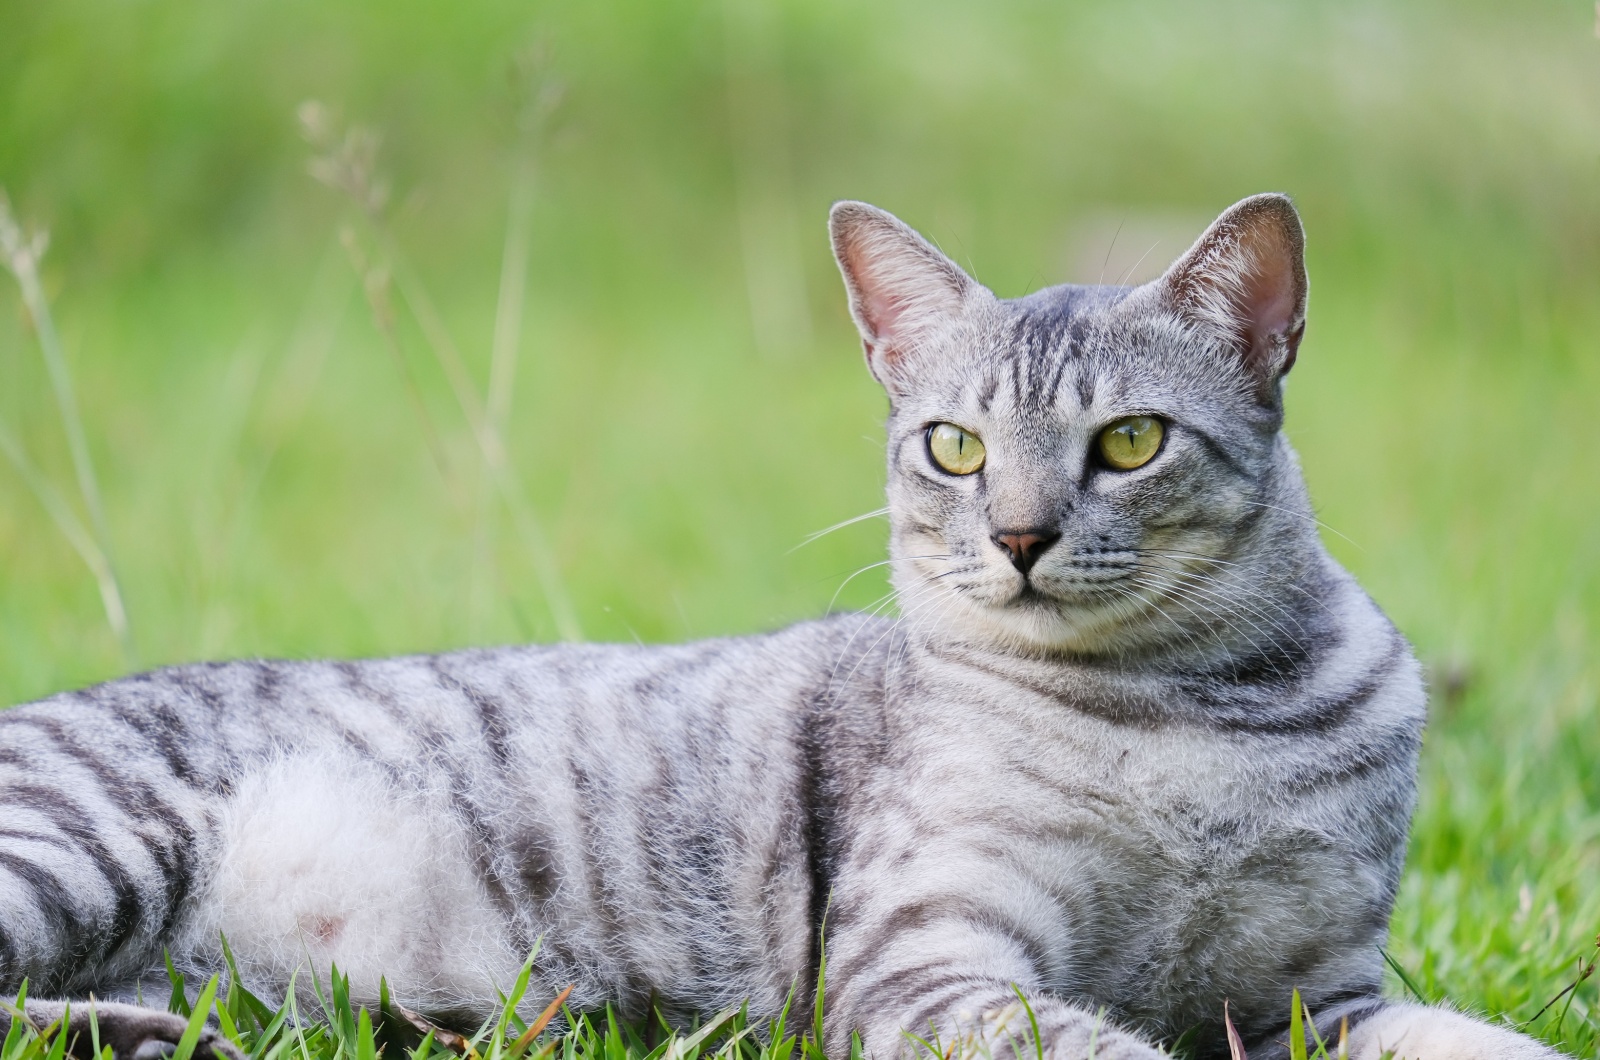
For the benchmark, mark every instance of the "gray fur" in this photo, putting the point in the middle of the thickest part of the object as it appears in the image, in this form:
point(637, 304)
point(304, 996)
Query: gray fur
point(1169, 767)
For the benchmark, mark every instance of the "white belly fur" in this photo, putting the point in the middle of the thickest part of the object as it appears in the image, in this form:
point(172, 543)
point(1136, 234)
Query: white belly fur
point(325, 862)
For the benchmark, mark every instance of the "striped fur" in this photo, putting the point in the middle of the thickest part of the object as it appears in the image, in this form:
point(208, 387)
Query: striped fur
point(1170, 765)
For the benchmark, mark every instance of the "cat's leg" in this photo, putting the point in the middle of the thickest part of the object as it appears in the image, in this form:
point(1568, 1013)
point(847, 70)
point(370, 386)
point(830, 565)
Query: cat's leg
point(132, 1032)
point(943, 972)
point(1406, 1031)
point(1421, 1032)
point(100, 853)
point(98, 857)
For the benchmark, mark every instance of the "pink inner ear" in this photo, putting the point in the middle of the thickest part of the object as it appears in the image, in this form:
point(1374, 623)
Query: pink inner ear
point(883, 311)
point(1270, 299)
point(882, 307)
point(1271, 302)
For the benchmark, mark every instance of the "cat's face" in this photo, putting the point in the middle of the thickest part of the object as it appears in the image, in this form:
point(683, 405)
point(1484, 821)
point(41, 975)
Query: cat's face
point(1085, 469)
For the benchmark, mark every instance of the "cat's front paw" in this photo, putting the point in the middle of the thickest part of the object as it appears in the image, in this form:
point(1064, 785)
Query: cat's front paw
point(1007, 1031)
point(1096, 1039)
point(1416, 1032)
point(132, 1032)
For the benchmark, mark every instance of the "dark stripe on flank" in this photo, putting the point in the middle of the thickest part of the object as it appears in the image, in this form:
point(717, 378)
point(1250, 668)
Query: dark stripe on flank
point(70, 819)
point(595, 806)
point(491, 714)
point(42, 838)
point(9, 979)
point(170, 843)
point(484, 843)
point(938, 999)
point(915, 916)
point(53, 901)
point(266, 681)
point(817, 809)
point(163, 731)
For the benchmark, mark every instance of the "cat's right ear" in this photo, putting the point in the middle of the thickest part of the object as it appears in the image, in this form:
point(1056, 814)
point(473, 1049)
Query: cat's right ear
point(903, 293)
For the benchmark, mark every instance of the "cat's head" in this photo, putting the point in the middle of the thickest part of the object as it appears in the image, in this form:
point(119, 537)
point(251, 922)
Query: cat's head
point(1089, 469)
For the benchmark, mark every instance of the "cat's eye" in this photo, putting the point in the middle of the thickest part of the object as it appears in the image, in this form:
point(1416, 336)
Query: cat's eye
point(957, 451)
point(1131, 442)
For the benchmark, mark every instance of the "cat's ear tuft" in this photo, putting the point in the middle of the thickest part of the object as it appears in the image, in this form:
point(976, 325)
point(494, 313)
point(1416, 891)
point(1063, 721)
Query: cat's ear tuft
point(903, 292)
point(1245, 280)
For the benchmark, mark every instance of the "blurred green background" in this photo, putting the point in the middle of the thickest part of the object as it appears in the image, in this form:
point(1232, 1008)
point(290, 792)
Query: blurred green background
point(688, 399)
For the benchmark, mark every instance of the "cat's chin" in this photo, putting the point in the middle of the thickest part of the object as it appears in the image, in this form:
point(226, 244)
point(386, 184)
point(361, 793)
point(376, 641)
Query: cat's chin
point(1046, 626)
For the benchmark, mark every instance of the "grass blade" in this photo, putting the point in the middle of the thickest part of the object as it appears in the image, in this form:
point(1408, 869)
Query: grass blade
point(57, 1033)
point(1235, 1043)
point(1033, 1021)
point(1405, 977)
point(197, 1021)
point(1297, 1031)
point(366, 1040)
point(178, 1001)
point(60, 512)
point(94, 1028)
point(544, 1019)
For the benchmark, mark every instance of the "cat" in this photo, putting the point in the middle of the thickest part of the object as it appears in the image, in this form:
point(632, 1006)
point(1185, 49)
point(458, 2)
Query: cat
point(1136, 748)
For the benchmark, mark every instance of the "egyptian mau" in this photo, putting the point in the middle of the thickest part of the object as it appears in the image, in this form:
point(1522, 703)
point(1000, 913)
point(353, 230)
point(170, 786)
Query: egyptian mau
point(1136, 745)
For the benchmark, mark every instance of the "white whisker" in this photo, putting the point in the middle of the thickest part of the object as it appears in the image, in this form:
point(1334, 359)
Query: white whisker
point(863, 517)
point(874, 566)
point(1309, 519)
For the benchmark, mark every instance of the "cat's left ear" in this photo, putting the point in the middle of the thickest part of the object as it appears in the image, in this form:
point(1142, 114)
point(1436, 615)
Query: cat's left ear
point(1244, 280)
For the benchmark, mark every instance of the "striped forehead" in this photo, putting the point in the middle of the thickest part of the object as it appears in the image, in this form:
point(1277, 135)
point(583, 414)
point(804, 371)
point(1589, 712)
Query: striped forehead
point(1048, 355)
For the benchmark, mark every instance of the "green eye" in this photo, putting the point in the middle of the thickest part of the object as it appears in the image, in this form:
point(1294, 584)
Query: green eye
point(1131, 442)
point(957, 451)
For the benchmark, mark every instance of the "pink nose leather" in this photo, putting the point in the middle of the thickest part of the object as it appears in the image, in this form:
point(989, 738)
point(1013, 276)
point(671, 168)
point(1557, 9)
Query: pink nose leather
point(1025, 548)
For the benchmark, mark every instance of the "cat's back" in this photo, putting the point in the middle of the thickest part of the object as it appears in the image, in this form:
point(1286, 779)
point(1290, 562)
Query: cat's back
point(207, 718)
point(642, 809)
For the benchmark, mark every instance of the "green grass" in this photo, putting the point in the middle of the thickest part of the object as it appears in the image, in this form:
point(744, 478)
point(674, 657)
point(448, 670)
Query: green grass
point(342, 1030)
point(268, 490)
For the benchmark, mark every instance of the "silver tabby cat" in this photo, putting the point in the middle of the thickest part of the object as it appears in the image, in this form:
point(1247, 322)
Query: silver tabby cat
point(1136, 746)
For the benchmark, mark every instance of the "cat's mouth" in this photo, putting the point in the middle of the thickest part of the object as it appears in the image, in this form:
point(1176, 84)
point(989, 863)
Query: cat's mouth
point(1086, 580)
point(1056, 598)
point(1078, 591)
point(1057, 610)
point(1030, 596)
point(1074, 598)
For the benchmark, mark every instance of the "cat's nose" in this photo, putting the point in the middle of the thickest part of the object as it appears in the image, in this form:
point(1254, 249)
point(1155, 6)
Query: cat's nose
point(1026, 547)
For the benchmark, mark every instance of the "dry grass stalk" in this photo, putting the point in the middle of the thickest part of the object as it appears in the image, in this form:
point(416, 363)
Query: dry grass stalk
point(539, 96)
point(22, 253)
point(375, 284)
point(347, 163)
